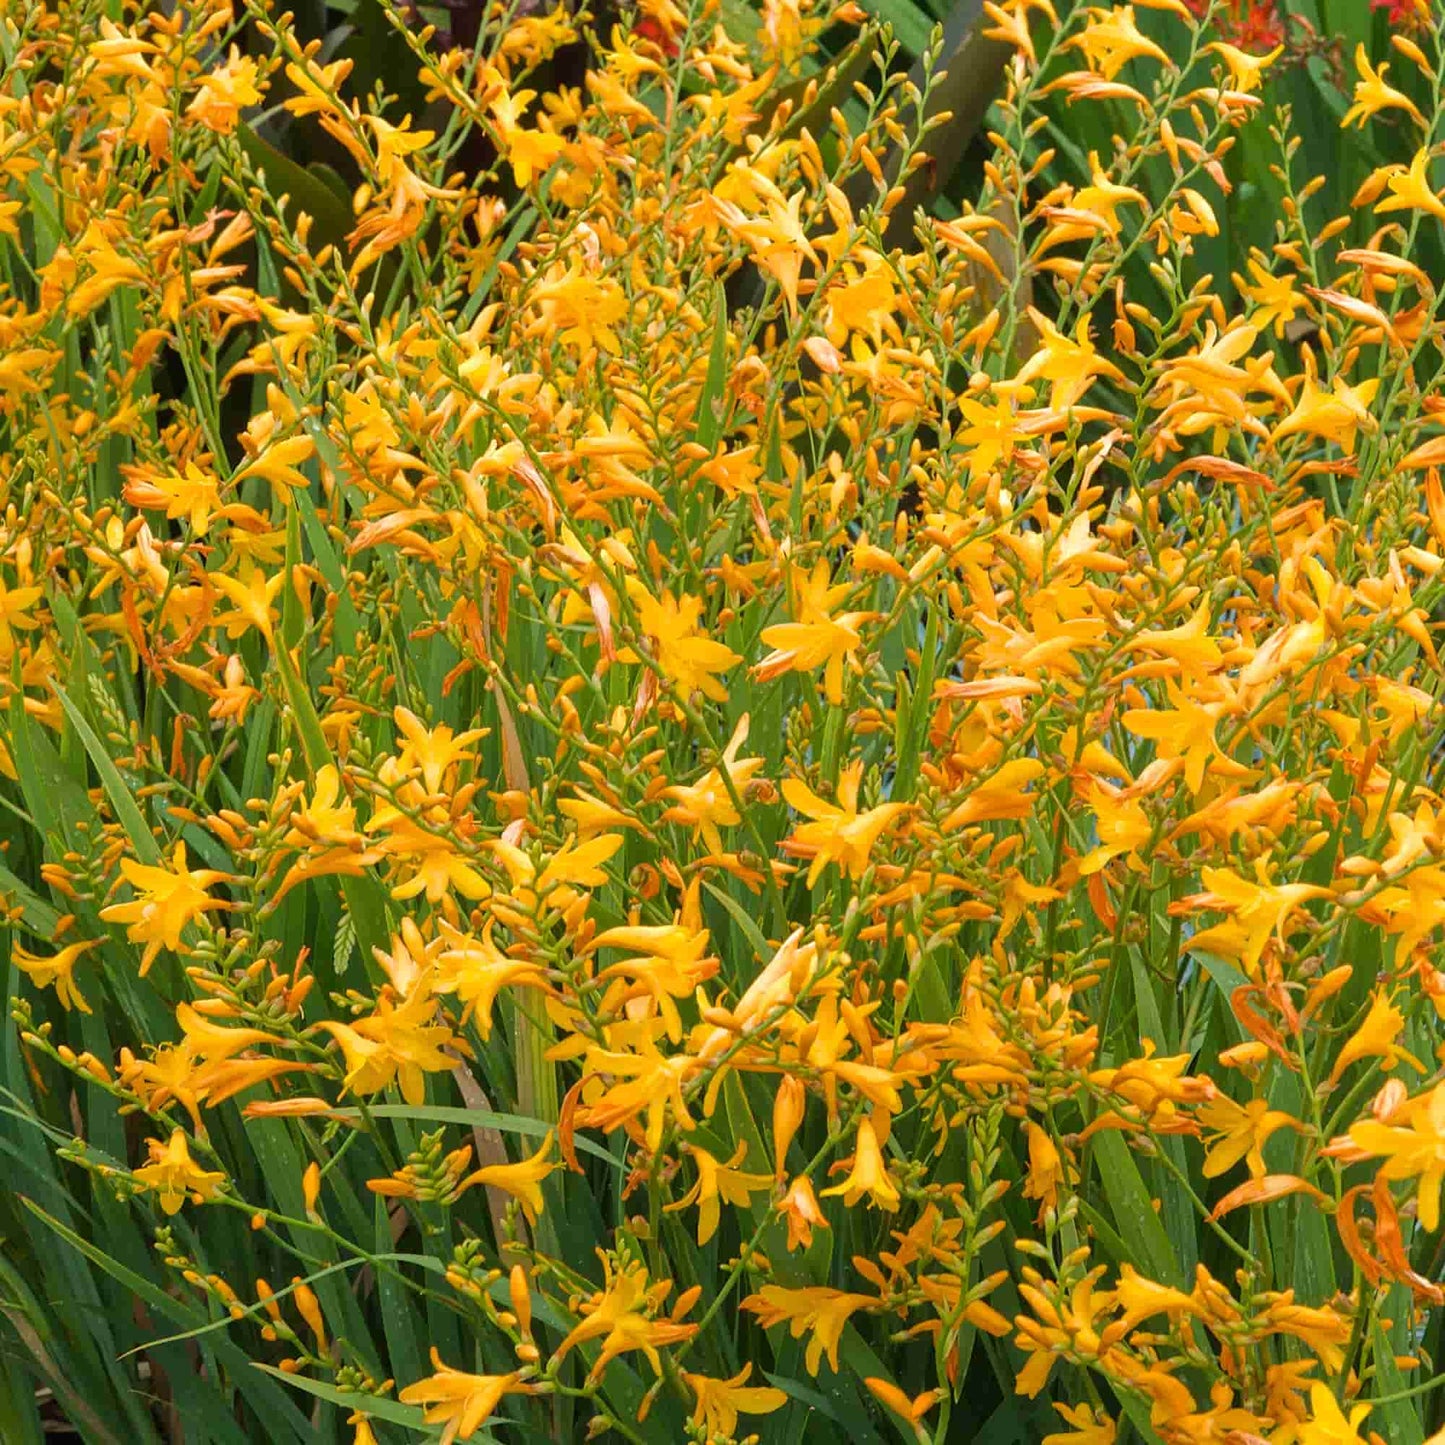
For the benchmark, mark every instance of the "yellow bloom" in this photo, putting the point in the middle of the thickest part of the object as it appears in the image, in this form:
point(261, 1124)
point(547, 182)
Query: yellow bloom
point(192, 494)
point(1375, 1038)
point(621, 1315)
point(1047, 1169)
point(1327, 1424)
point(1087, 1428)
point(253, 601)
point(531, 152)
point(685, 657)
point(1410, 188)
point(523, 1180)
point(668, 962)
point(718, 1181)
point(868, 1174)
point(476, 970)
point(1069, 365)
point(402, 1042)
point(1258, 910)
point(1413, 1150)
point(15, 605)
point(707, 805)
point(1185, 729)
point(461, 1402)
point(839, 833)
point(720, 1402)
point(434, 751)
point(57, 969)
point(1245, 70)
point(1112, 38)
point(1240, 1132)
point(225, 92)
point(1335, 415)
point(799, 1206)
point(1276, 301)
point(816, 638)
point(1372, 95)
point(814, 1310)
point(174, 1175)
point(168, 899)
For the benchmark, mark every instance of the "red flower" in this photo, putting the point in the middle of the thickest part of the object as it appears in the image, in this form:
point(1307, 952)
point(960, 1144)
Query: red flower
point(1256, 25)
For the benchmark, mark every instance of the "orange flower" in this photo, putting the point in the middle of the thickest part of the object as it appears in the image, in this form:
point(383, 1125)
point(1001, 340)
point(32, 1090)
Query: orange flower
point(838, 832)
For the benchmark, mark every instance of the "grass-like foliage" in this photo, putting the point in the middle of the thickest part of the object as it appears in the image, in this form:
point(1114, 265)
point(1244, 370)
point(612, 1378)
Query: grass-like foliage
point(648, 789)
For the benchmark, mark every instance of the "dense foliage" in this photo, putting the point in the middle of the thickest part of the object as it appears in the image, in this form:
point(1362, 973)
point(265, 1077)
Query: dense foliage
point(647, 791)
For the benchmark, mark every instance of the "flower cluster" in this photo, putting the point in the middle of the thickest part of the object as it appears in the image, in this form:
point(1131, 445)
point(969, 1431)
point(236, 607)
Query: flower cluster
point(711, 801)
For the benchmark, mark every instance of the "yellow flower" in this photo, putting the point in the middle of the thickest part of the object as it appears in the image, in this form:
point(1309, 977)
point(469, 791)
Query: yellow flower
point(1185, 729)
point(838, 832)
point(530, 152)
point(707, 805)
point(583, 309)
point(815, 1309)
point(1087, 1428)
point(402, 1042)
point(668, 962)
point(523, 1180)
point(192, 494)
point(868, 1174)
point(1258, 910)
point(1327, 1424)
point(1335, 415)
point(1276, 301)
point(816, 638)
point(685, 657)
point(57, 969)
point(174, 1175)
point(1240, 1132)
point(15, 605)
point(253, 602)
point(799, 1206)
point(1245, 70)
point(476, 970)
point(1047, 1169)
point(1414, 1150)
point(1410, 188)
point(1372, 95)
point(434, 751)
point(621, 1315)
point(1070, 366)
point(718, 1181)
point(1375, 1038)
point(1112, 38)
point(225, 92)
point(168, 899)
point(461, 1402)
point(720, 1402)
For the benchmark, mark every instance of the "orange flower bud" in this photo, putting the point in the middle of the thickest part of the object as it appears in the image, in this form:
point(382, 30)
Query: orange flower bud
point(789, 1105)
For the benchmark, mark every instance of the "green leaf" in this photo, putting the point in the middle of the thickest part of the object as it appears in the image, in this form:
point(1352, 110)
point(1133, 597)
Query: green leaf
point(127, 813)
point(1133, 1212)
point(1397, 1420)
point(276, 1408)
point(330, 216)
point(404, 1352)
point(710, 403)
point(855, 1425)
point(744, 921)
